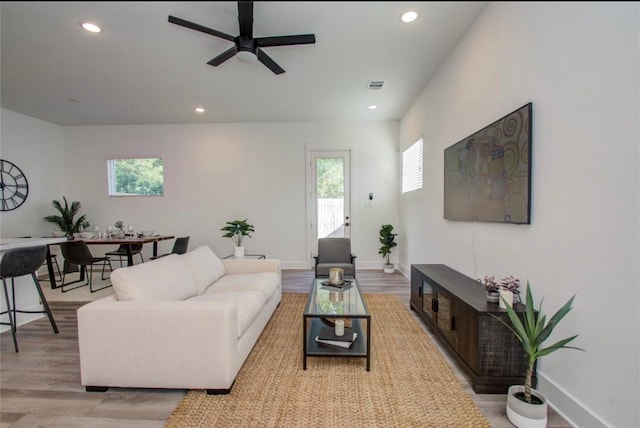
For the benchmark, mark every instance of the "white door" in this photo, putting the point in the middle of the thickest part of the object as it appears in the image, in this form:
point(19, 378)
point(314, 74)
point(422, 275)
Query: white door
point(329, 195)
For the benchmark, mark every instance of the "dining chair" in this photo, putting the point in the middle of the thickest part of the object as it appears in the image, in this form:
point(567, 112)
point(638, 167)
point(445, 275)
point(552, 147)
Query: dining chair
point(180, 246)
point(335, 253)
point(121, 252)
point(77, 252)
point(18, 262)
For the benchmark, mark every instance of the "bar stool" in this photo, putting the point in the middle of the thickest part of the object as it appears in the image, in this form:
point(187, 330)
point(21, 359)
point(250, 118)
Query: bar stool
point(20, 262)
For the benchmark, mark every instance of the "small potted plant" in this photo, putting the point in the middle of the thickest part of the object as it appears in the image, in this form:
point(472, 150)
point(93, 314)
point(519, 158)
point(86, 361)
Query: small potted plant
point(512, 284)
point(387, 239)
point(237, 230)
point(492, 288)
point(66, 220)
point(527, 407)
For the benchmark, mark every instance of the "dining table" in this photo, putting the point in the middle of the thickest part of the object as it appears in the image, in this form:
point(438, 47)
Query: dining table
point(127, 241)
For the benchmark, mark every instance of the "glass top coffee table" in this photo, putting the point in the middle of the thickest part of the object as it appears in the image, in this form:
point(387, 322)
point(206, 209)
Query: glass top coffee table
point(327, 304)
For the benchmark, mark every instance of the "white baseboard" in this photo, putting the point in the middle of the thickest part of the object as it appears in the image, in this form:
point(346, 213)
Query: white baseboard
point(572, 411)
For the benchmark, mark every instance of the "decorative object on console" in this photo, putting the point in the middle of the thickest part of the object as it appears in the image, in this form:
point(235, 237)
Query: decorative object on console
point(487, 175)
point(509, 291)
point(66, 221)
point(387, 239)
point(490, 284)
point(237, 230)
point(527, 407)
point(493, 287)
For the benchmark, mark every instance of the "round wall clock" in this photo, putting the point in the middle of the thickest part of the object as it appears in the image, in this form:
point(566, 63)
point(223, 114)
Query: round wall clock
point(14, 187)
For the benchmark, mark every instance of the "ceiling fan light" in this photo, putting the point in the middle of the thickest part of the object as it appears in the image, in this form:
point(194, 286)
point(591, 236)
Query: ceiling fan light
point(246, 56)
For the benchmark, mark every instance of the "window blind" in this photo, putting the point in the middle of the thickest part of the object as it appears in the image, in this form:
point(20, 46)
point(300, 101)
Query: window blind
point(412, 167)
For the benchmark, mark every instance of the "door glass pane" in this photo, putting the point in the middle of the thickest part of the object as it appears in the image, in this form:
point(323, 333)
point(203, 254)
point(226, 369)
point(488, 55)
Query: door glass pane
point(330, 191)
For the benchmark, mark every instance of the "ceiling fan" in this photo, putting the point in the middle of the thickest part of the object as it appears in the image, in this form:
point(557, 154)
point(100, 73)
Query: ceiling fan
point(246, 47)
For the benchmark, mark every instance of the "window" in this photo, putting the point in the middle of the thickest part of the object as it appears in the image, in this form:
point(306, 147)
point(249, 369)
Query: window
point(136, 177)
point(412, 167)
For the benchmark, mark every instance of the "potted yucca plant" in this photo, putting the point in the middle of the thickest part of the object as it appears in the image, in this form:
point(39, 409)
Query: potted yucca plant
point(527, 407)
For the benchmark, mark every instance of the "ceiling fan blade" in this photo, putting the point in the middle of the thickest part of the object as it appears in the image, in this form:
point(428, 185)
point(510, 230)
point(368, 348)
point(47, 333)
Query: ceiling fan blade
point(300, 39)
point(223, 57)
point(245, 18)
point(271, 64)
point(202, 29)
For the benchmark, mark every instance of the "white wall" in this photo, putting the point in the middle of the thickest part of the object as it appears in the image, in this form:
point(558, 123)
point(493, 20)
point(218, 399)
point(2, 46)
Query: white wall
point(578, 64)
point(36, 147)
point(220, 172)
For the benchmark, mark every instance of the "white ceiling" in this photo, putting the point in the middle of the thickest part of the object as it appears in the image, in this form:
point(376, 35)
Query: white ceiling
point(144, 70)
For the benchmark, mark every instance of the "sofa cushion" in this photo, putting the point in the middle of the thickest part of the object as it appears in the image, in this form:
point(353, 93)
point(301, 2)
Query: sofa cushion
point(166, 278)
point(265, 282)
point(249, 304)
point(204, 265)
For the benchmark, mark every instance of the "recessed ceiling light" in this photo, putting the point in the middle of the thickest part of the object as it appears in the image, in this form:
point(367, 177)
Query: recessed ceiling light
point(409, 16)
point(199, 110)
point(372, 107)
point(90, 26)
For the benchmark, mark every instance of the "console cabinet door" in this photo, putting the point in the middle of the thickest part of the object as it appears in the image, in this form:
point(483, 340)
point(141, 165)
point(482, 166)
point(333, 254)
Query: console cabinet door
point(429, 301)
point(416, 289)
point(465, 322)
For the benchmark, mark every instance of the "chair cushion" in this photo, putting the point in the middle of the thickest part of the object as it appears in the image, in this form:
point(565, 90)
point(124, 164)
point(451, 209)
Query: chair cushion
point(204, 265)
point(249, 304)
point(265, 282)
point(167, 278)
point(322, 269)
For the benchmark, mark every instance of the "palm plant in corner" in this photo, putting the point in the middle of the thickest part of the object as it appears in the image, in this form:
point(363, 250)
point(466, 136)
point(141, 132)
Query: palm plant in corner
point(527, 407)
point(66, 221)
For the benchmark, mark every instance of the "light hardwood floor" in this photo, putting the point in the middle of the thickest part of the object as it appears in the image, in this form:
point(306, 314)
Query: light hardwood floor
point(40, 385)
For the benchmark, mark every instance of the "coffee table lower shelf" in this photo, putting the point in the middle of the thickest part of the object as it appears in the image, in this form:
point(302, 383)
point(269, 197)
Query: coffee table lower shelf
point(359, 349)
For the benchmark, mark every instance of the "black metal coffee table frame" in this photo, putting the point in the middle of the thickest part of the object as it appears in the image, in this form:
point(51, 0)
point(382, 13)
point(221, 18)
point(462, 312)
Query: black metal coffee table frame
point(355, 308)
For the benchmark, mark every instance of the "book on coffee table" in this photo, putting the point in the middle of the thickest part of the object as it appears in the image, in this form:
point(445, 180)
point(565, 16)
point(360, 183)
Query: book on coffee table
point(328, 333)
point(328, 337)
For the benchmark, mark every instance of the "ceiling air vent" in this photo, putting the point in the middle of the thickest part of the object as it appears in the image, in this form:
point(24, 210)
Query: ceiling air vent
point(375, 85)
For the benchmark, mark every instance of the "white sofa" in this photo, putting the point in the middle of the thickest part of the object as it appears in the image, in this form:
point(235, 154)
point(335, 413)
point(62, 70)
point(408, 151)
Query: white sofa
point(182, 321)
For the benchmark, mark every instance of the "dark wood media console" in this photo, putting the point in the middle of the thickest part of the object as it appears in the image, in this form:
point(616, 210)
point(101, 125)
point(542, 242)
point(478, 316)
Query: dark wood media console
point(455, 307)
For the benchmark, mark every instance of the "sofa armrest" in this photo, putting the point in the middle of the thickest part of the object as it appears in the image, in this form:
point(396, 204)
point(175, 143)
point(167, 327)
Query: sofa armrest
point(127, 343)
point(233, 266)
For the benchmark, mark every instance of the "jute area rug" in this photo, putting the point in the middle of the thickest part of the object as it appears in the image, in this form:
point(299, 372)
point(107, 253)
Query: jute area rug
point(409, 385)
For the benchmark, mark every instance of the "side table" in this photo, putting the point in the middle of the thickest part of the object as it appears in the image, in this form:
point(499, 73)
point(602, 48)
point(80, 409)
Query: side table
point(247, 256)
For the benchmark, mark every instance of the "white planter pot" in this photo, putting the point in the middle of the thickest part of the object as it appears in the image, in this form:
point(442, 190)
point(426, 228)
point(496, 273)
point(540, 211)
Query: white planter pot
point(238, 251)
point(523, 414)
point(389, 268)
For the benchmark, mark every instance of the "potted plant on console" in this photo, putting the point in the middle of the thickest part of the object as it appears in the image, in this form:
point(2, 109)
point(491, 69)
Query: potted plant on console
point(387, 239)
point(237, 230)
point(527, 407)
